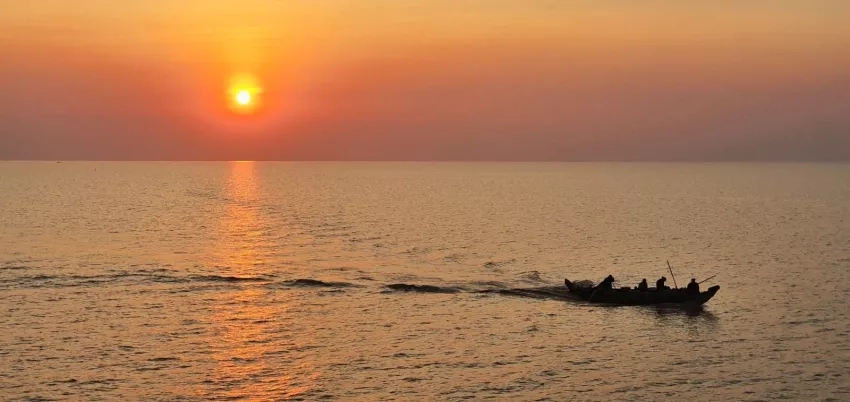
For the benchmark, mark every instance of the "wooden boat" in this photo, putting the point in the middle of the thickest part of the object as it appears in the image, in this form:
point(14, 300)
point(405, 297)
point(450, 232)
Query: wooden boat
point(632, 297)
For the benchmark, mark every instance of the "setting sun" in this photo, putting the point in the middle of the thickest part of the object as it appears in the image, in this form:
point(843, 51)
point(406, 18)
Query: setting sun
point(243, 97)
point(244, 93)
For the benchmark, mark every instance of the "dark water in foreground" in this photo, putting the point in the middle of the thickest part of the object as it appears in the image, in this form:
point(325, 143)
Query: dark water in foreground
point(218, 281)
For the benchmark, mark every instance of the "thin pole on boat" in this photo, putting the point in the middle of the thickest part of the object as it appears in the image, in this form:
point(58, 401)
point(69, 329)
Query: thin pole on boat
point(671, 274)
point(710, 277)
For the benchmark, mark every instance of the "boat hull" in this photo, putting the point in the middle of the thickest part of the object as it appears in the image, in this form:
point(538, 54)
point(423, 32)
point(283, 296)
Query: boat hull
point(628, 297)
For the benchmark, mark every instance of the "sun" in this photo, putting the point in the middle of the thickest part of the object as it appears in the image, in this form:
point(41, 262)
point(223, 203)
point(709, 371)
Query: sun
point(244, 94)
point(243, 97)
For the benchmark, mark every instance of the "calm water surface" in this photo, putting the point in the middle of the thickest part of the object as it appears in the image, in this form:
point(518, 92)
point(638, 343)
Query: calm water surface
point(268, 281)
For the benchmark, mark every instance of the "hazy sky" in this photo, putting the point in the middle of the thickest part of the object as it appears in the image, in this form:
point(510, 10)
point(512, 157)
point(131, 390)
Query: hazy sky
point(426, 80)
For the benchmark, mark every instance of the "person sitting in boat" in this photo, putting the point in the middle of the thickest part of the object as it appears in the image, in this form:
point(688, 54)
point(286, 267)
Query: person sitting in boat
point(693, 287)
point(607, 283)
point(659, 284)
point(643, 286)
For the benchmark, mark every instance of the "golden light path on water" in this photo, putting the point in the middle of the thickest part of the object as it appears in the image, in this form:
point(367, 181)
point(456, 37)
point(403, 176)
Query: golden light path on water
point(251, 321)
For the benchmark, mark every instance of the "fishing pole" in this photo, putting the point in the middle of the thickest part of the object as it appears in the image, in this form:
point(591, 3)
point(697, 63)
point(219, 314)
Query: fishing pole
point(710, 277)
point(671, 274)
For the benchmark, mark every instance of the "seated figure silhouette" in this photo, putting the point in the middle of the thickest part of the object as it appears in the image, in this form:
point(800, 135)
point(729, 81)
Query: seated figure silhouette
point(693, 287)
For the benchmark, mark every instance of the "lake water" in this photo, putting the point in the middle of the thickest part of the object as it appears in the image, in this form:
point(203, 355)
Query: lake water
point(268, 281)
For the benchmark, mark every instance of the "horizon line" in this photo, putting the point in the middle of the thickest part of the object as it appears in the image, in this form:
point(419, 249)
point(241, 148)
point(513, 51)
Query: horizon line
point(683, 161)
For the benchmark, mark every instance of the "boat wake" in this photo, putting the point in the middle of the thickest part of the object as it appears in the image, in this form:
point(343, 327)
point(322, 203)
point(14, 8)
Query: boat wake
point(196, 282)
point(542, 292)
point(546, 293)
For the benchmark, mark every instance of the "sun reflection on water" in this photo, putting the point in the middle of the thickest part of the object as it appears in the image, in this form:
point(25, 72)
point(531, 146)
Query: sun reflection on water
point(251, 321)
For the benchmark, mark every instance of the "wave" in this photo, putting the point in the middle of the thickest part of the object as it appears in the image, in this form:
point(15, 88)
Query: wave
point(163, 359)
point(219, 278)
point(39, 277)
point(417, 250)
point(422, 288)
point(63, 281)
point(497, 264)
point(362, 239)
point(532, 276)
point(33, 281)
point(492, 284)
point(456, 257)
point(317, 283)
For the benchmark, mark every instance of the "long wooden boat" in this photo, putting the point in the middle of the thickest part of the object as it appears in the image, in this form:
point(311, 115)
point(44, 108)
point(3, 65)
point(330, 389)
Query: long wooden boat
point(632, 297)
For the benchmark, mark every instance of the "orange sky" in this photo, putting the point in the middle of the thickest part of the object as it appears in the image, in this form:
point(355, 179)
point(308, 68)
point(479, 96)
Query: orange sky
point(435, 80)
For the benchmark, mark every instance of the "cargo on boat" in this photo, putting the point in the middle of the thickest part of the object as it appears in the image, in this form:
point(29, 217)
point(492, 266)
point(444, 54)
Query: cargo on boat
point(633, 297)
